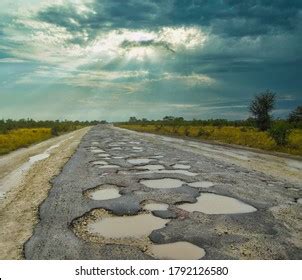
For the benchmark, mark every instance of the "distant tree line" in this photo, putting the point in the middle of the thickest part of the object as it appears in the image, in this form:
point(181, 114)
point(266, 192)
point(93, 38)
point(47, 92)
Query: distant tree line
point(260, 107)
point(56, 126)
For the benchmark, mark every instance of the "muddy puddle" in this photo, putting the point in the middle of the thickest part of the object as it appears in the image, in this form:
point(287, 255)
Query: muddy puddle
point(156, 206)
point(177, 251)
point(209, 203)
point(127, 226)
point(166, 183)
point(201, 184)
point(139, 160)
point(103, 155)
point(99, 162)
point(39, 157)
point(181, 166)
point(104, 192)
point(96, 151)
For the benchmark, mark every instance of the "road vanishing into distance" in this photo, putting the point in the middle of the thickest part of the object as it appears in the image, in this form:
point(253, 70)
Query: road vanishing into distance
point(129, 195)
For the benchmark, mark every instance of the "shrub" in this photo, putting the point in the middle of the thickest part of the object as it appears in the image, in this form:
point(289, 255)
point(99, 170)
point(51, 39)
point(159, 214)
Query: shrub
point(280, 133)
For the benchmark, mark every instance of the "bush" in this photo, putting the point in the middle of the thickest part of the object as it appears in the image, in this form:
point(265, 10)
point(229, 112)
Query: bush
point(280, 133)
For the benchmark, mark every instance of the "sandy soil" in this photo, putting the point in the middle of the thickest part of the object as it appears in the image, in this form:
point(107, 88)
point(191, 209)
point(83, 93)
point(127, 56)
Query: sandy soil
point(19, 208)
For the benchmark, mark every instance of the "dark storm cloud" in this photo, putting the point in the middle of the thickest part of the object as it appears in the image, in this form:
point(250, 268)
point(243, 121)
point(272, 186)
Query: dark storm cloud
point(228, 17)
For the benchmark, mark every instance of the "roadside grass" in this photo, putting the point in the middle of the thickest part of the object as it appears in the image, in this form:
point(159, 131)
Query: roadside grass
point(23, 137)
point(245, 136)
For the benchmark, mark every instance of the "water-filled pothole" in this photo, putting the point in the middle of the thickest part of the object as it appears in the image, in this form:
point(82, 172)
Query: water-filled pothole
point(177, 251)
point(99, 162)
point(104, 192)
point(201, 184)
point(126, 226)
point(151, 167)
point(156, 206)
point(181, 166)
point(103, 155)
point(96, 151)
point(166, 183)
point(209, 203)
point(139, 160)
point(166, 171)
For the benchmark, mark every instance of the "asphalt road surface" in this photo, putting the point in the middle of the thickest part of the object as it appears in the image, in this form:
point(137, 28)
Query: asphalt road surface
point(262, 221)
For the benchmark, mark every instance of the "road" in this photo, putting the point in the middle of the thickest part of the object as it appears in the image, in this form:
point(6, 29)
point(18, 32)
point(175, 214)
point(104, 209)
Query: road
point(24, 184)
point(246, 210)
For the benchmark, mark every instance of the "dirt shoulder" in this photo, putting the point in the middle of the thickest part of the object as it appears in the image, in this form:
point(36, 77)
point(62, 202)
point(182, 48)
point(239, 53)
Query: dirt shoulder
point(19, 209)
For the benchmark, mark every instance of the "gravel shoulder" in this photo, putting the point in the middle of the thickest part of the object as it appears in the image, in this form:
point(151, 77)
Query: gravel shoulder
point(26, 188)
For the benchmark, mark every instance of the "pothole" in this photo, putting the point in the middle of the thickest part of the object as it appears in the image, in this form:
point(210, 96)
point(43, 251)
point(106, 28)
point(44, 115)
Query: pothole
point(209, 203)
point(104, 192)
point(127, 226)
point(177, 251)
point(156, 206)
point(96, 151)
point(99, 162)
point(181, 166)
point(103, 155)
point(151, 167)
point(166, 183)
point(139, 160)
point(202, 184)
point(166, 171)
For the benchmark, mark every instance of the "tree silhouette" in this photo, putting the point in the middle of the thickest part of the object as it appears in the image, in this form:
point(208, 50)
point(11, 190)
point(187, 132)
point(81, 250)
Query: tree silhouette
point(261, 107)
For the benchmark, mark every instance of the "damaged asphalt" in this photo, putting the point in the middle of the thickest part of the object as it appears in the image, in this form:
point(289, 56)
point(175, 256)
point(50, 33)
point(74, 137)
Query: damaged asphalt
point(271, 232)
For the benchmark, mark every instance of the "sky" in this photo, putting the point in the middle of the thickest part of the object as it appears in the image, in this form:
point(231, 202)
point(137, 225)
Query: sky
point(112, 59)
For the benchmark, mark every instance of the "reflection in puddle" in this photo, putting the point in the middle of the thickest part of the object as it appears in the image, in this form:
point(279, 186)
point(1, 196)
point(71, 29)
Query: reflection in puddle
point(137, 148)
point(107, 192)
point(156, 206)
point(117, 157)
point(139, 160)
point(151, 167)
point(177, 251)
point(217, 204)
point(116, 148)
point(202, 184)
point(166, 183)
point(181, 166)
point(127, 226)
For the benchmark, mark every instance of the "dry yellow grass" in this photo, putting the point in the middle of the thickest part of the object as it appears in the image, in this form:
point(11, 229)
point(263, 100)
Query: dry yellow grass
point(22, 138)
point(245, 136)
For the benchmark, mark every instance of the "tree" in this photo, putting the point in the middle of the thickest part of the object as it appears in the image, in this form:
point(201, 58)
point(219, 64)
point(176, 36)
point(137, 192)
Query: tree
point(296, 115)
point(261, 107)
point(132, 119)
